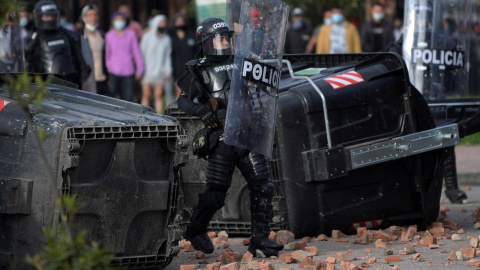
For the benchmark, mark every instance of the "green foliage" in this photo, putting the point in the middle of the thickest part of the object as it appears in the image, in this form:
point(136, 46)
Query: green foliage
point(473, 139)
point(65, 252)
point(19, 88)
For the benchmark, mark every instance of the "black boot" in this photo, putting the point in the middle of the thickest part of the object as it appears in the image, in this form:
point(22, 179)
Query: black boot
point(453, 193)
point(261, 212)
point(196, 231)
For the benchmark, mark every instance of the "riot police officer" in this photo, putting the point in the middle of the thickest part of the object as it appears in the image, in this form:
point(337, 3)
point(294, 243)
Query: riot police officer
point(208, 81)
point(52, 49)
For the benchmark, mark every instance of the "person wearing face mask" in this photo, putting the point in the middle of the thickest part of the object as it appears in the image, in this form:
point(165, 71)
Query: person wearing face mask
point(156, 48)
point(327, 20)
point(377, 34)
point(26, 23)
point(184, 46)
point(93, 50)
point(339, 37)
point(298, 33)
point(123, 58)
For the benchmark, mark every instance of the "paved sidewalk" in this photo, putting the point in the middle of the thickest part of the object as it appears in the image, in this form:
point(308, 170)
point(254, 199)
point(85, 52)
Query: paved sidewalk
point(468, 164)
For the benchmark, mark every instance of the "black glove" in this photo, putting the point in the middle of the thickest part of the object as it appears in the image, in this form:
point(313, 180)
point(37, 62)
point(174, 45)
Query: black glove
point(208, 117)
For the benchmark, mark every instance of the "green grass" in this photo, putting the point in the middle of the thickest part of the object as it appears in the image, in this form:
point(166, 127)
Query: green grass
point(473, 139)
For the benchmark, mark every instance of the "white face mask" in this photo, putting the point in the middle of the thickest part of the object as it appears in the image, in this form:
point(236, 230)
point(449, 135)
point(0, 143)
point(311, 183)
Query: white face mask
point(90, 27)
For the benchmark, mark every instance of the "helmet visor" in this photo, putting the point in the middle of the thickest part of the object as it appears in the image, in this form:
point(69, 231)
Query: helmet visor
point(219, 44)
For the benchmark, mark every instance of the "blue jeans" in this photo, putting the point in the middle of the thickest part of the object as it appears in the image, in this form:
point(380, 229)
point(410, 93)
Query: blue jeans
point(122, 85)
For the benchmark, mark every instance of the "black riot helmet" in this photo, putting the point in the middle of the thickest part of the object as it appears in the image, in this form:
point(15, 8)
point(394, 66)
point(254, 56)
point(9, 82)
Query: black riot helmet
point(47, 16)
point(215, 37)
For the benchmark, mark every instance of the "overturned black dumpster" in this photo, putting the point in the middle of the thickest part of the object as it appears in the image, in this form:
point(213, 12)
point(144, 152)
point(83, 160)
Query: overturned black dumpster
point(376, 162)
point(117, 157)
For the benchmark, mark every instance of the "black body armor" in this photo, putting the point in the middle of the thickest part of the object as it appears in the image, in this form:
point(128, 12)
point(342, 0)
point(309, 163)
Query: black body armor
point(56, 53)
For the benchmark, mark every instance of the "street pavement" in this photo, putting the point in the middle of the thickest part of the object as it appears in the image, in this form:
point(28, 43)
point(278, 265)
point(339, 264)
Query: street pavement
point(468, 169)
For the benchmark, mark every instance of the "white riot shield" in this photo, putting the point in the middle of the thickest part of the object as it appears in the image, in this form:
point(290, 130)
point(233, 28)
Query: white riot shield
point(436, 46)
point(11, 49)
point(252, 101)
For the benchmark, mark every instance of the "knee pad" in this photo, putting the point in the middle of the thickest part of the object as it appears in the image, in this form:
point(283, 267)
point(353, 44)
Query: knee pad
point(219, 172)
point(213, 198)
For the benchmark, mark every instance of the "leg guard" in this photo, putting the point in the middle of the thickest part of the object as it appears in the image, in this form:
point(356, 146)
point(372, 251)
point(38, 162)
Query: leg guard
point(220, 167)
point(454, 194)
point(261, 212)
point(196, 232)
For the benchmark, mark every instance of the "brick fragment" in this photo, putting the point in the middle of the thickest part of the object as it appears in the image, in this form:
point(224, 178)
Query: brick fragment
point(273, 235)
point(396, 267)
point(468, 253)
point(336, 234)
point(306, 239)
point(214, 266)
point(331, 260)
point(299, 246)
point(364, 265)
point(452, 256)
point(285, 268)
point(474, 242)
point(285, 258)
point(313, 267)
point(415, 256)
point(476, 226)
point(473, 262)
point(385, 261)
point(460, 231)
point(230, 266)
point(330, 266)
point(437, 231)
point(322, 237)
point(189, 266)
point(409, 234)
point(247, 257)
point(393, 258)
point(429, 239)
point(362, 240)
point(447, 224)
point(222, 236)
point(433, 246)
point(212, 235)
point(384, 236)
point(379, 244)
point(312, 250)
point(344, 256)
point(253, 265)
point(300, 255)
point(368, 250)
point(188, 247)
point(342, 240)
point(476, 213)
point(344, 265)
point(361, 231)
point(372, 260)
point(285, 237)
point(266, 266)
point(306, 261)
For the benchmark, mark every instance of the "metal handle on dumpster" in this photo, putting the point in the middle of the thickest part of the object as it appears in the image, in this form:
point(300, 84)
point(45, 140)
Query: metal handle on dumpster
point(324, 101)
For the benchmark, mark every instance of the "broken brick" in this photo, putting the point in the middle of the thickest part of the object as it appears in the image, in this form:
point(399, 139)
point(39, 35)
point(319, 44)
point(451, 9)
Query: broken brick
point(336, 234)
point(409, 234)
point(427, 240)
point(447, 224)
point(312, 250)
point(322, 237)
point(474, 242)
point(300, 255)
point(306, 261)
point(188, 247)
point(342, 240)
point(212, 235)
point(468, 253)
point(344, 256)
point(396, 267)
point(286, 268)
point(231, 266)
point(189, 266)
point(266, 266)
point(361, 231)
point(379, 244)
point(460, 231)
point(331, 260)
point(473, 262)
point(285, 258)
point(313, 267)
point(253, 265)
point(368, 250)
point(476, 226)
point(330, 266)
point(437, 231)
point(222, 236)
point(273, 235)
point(433, 246)
point(384, 236)
point(247, 257)
point(299, 246)
point(393, 258)
point(476, 213)
point(362, 240)
point(372, 260)
point(415, 256)
point(344, 265)
point(285, 237)
point(246, 242)
point(306, 239)
point(214, 266)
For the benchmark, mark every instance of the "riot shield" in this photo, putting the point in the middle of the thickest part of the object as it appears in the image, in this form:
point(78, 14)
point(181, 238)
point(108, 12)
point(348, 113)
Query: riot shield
point(436, 47)
point(259, 41)
point(11, 49)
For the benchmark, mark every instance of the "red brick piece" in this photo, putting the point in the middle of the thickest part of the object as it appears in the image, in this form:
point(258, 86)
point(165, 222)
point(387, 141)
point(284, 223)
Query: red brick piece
point(247, 257)
point(312, 250)
point(476, 213)
point(273, 235)
point(362, 240)
point(345, 265)
point(300, 255)
point(468, 253)
point(285, 237)
point(285, 258)
point(437, 231)
point(372, 260)
point(452, 256)
point(222, 236)
point(322, 237)
point(384, 236)
point(473, 262)
point(336, 234)
point(331, 260)
point(285, 268)
point(231, 266)
point(395, 267)
point(214, 266)
point(427, 240)
point(393, 258)
point(188, 247)
point(344, 256)
point(266, 266)
point(212, 235)
point(306, 239)
point(246, 242)
point(330, 266)
point(379, 244)
point(306, 261)
point(361, 231)
point(189, 266)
